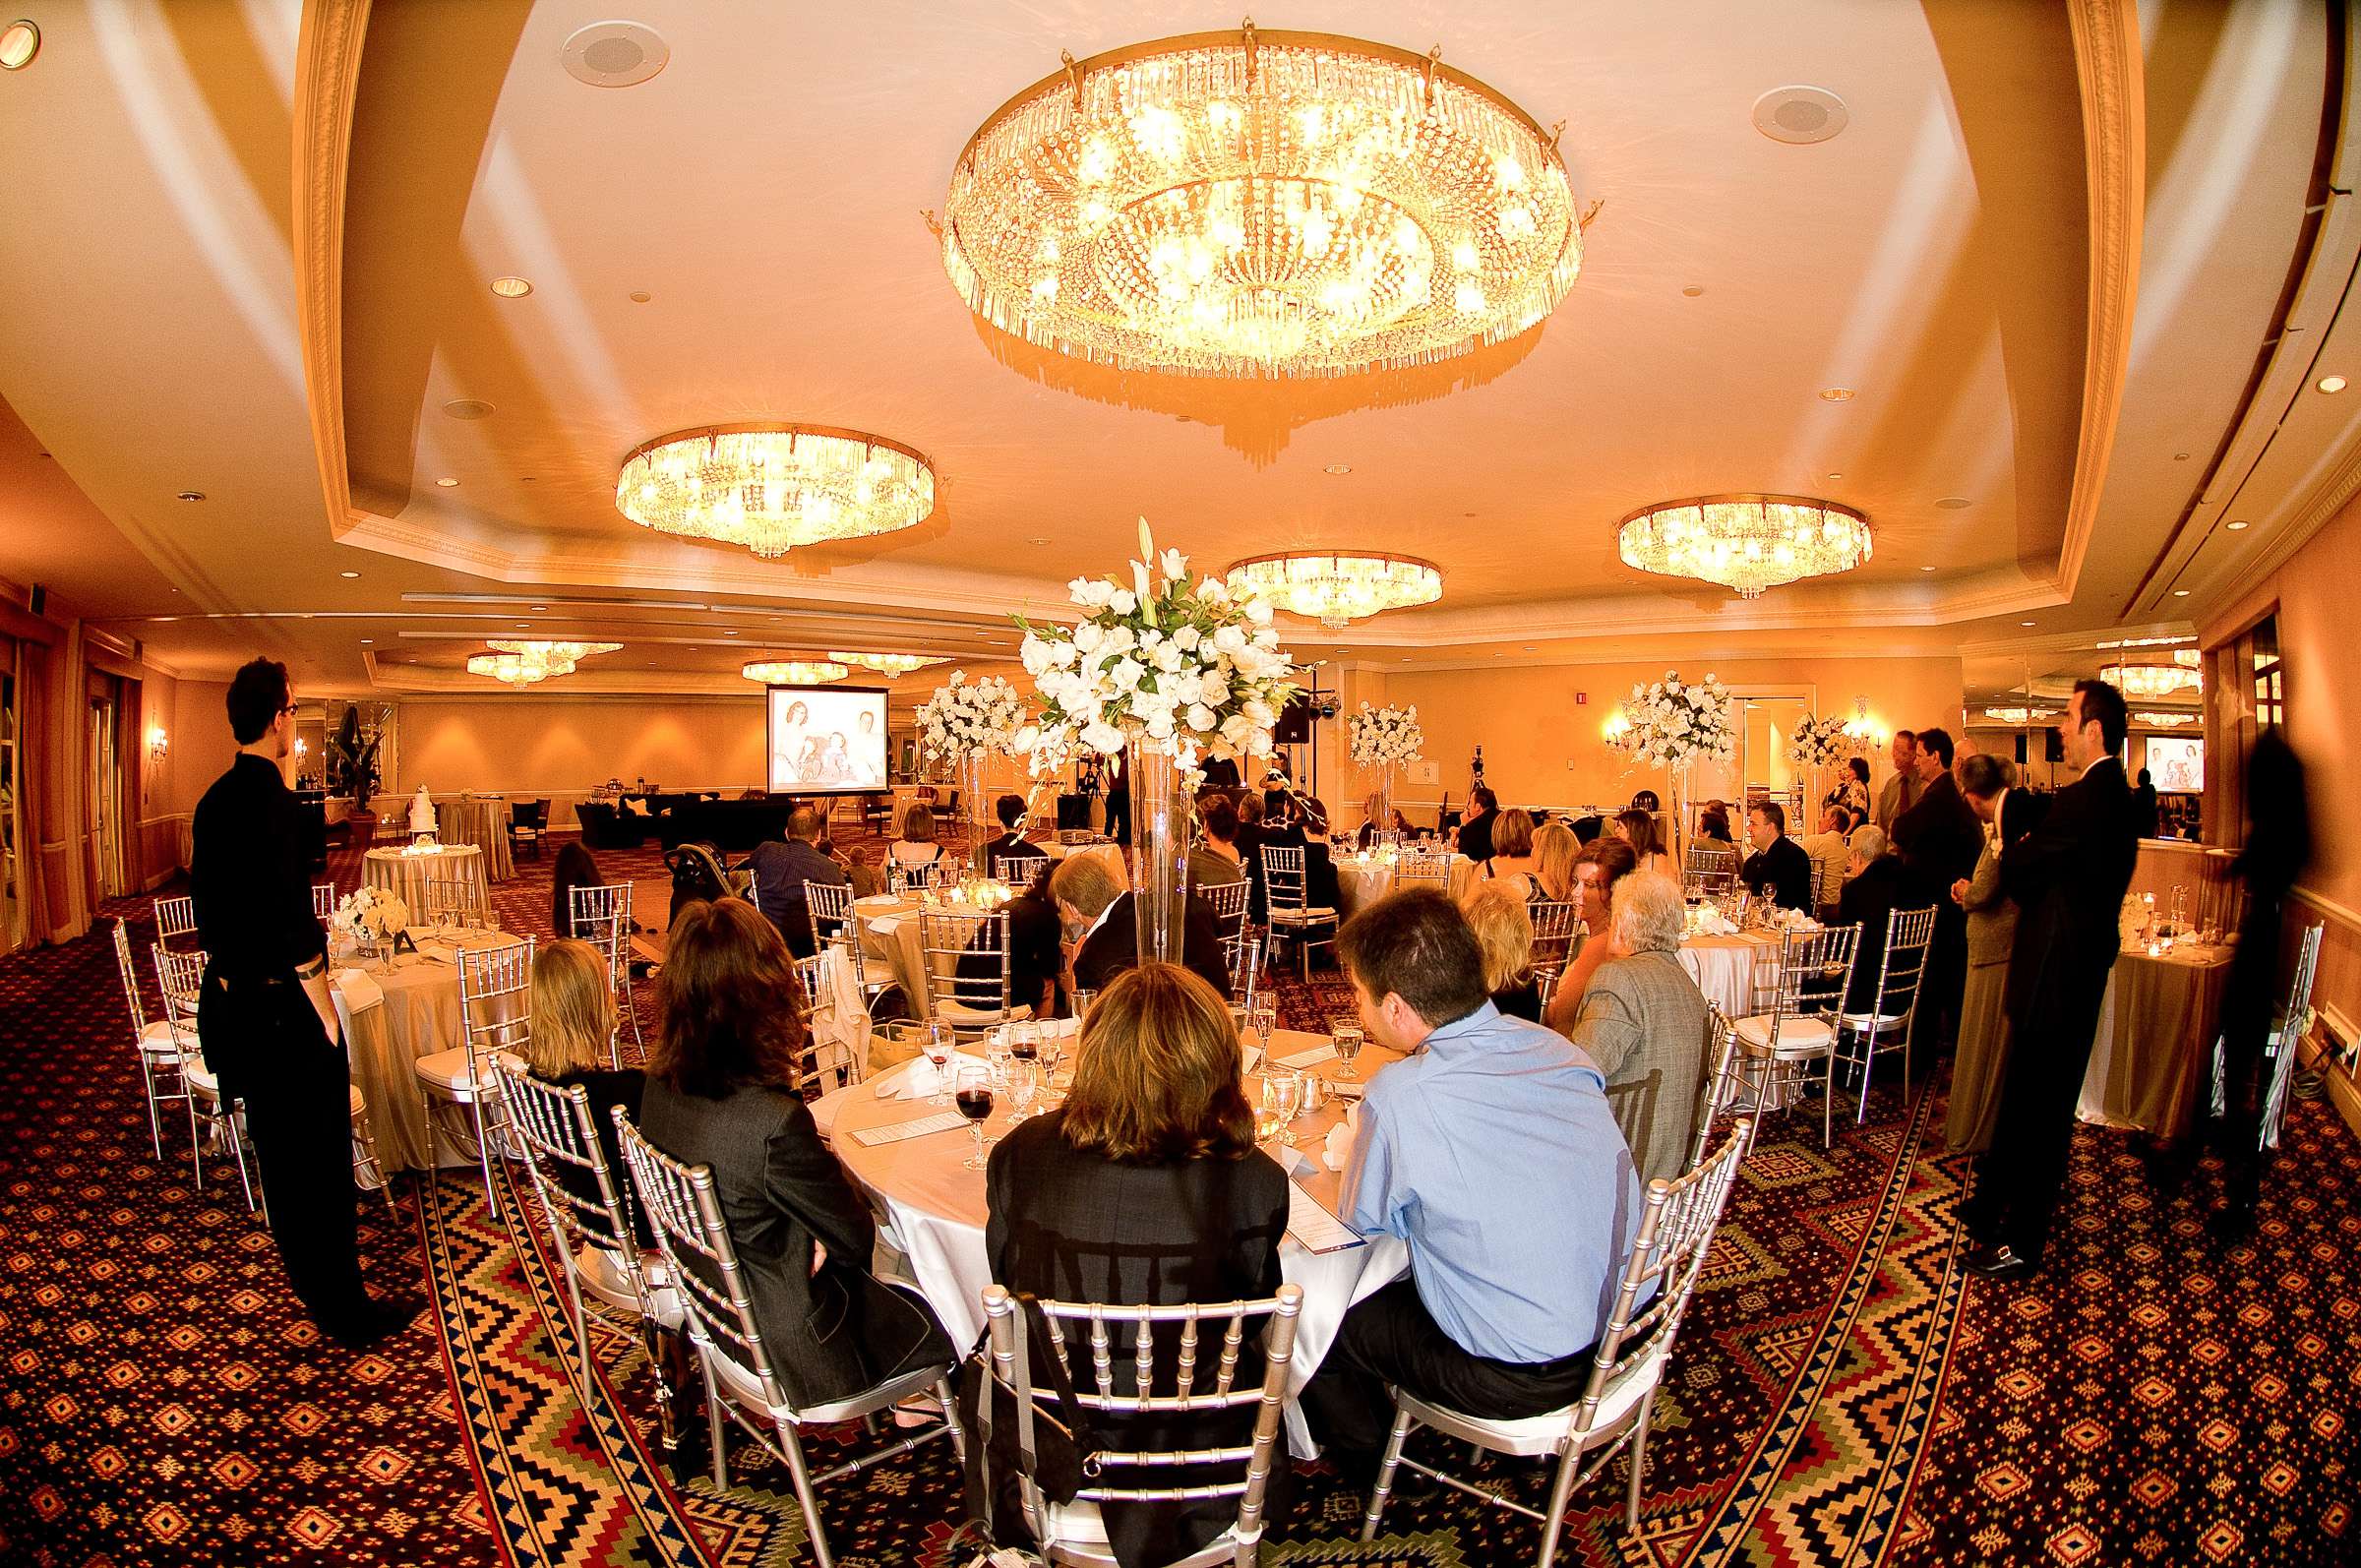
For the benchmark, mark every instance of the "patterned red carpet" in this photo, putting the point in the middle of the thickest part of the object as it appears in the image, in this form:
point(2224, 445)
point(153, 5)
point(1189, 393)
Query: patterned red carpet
point(1842, 1394)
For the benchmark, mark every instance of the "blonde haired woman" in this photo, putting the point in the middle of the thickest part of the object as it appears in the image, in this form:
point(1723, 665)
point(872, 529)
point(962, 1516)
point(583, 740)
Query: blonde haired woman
point(571, 1042)
point(1504, 927)
point(1554, 852)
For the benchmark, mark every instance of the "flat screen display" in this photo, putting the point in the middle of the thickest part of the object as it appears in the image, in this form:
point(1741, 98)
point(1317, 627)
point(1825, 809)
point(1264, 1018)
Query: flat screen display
point(825, 739)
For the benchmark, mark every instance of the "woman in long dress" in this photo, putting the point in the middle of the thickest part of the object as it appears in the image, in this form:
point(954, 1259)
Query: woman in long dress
point(1982, 1059)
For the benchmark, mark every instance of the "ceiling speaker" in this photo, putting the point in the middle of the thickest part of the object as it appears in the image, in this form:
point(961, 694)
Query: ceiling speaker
point(614, 54)
point(1799, 115)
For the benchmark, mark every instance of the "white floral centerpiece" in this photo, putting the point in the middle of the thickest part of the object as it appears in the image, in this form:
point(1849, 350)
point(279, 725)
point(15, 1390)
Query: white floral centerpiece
point(1382, 737)
point(1673, 723)
point(960, 718)
point(1186, 667)
point(1817, 743)
point(373, 914)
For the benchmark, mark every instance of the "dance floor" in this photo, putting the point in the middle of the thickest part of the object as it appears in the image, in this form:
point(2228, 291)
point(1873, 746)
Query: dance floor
point(1841, 1391)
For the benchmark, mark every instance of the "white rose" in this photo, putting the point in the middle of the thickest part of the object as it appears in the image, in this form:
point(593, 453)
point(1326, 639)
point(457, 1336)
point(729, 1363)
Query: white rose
point(1201, 717)
point(1186, 639)
point(1103, 737)
point(1122, 601)
point(1258, 612)
point(1167, 657)
point(1229, 640)
point(1088, 636)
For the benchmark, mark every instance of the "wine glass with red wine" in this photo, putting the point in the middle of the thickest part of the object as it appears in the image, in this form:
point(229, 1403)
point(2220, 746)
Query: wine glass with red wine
point(974, 1100)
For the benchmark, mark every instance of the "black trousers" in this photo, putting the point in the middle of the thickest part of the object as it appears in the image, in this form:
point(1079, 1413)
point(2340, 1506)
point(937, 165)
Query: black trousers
point(2247, 1004)
point(1391, 1338)
point(1118, 816)
point(2018, 1182)
point(264, 1040)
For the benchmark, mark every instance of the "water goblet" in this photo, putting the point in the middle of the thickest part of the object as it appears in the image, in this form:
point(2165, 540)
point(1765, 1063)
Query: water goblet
point(1345, 1039)
point(1282, 1098)
point(1024, 1086)
point(940, 1045)
point(974, 1099)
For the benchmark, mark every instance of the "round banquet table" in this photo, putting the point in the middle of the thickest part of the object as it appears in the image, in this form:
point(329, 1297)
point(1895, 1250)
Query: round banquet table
point(481, 820)
point(1363, 880)
point(406, 874)
point(2154, 1038)
point(937, 1207)
point(416, 1013)
point(1723, 966)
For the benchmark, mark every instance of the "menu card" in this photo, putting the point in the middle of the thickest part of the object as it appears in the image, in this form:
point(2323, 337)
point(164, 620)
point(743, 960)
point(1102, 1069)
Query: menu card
point(1314, 1229)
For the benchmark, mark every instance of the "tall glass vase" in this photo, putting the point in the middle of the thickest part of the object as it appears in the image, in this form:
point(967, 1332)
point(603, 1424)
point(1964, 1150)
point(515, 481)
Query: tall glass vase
point(1382, 830)
point(1160, 849)
point(973, 809)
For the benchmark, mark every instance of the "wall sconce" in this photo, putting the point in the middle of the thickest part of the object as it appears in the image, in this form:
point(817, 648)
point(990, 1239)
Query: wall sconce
point(300, 749)
point(156, 743)
point(1617, 727)
point(1859, 727)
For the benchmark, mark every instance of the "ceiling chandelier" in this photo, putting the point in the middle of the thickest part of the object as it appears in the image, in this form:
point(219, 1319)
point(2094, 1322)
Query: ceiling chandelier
point(1262, 205)
point(1746, 543)
point(2163, 721)
point(794, 672)
point(772, 487)
point(2148, 681)
point(521, 663)
point(893, 666)
point(1335, 587)
point(2021, 715)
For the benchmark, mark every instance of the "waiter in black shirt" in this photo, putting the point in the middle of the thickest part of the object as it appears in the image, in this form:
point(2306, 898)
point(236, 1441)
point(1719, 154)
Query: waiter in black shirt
point(264, 1018)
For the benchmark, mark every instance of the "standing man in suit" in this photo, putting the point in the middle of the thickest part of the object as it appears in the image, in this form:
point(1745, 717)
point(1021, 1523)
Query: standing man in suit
point(1475, 839)
point(1939, 839)
point(1901, 790)
point(2068, 877)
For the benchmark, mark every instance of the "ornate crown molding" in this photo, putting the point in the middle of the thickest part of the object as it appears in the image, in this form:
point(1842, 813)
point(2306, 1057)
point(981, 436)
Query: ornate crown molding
point(327, 73)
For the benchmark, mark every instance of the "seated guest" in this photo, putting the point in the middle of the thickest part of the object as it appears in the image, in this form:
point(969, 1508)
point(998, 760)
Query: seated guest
point(1637, 828)
point(721, 1092)
point(1095, 902)
point(781, 871)
point(575, 868)
point(1646, 801)
point(1597, 869)
point(917, 846)
point(1012, 844)
point(1554, 847)
point(1828, 851)
point(1779, 870)
point(1475, 839)
point(574, 1029)
point(1492, 1154)
point(1876, 883)
point(1375, 817)
point(1713, 824)
point(1503, 926)
point(867, 882)
point(1512, 860)
point(1035, 954)
point(1587, 828)
point(1214, 859)
point(1154, 1198)
point(1642, 1020)
point(1285, 826)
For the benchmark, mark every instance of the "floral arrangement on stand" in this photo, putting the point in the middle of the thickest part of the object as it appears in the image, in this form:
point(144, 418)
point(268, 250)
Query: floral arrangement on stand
point(372, 914)
point(1824, 742)
point(960, 718)
point(1185, 666)
point(1383, 736)
point(1672, 723)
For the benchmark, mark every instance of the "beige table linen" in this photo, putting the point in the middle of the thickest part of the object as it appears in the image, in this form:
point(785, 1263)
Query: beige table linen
point(419, 1016)
point(1725, 967)
point(407, 874)
point(481, 820)
point(2154, 1038)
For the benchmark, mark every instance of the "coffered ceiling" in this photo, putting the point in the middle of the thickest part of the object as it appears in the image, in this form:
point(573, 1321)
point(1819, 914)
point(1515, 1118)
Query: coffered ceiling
point(178, 325)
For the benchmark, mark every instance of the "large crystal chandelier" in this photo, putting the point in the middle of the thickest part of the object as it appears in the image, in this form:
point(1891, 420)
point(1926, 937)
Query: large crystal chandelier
point(893, 666)
point(2020, 716)
point(774, 487)
point(794, 672)
point(2147, 682)
point(2162, 720)
point(1335, 587)
point(1747, 543)
point(1262, 204)
point(520, 663)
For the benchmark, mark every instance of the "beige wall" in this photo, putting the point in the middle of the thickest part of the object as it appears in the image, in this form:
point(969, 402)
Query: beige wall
point(544, 745)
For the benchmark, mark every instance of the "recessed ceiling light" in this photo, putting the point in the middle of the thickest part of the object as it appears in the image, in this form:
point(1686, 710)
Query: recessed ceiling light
point(614, 54)
point(192, 495)
point(1036, 541)
point(2180, 593)
point(512, 287)
point(19, 44)
point(1405, 658)
point(1954, 503)
point(368, 639)
point(1801, 115)
point(1338, 468)
point(2332, 384)
point(641, 296)
point(1693, 291)
point(729, 633)
point(446, 482)
point(1836, 395)
point(538, 608)
point(1926, 569)
point(1836, 476)
point(467, 408)
point(347, 573)
point(522, 626)
point(2240, 526)
point(2180, 457)
point(2025, 623)
point(1527, 648)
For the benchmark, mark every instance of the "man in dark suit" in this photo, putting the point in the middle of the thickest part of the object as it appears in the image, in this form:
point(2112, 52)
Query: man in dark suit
point(2067, 876)
point(1090, 892)
point(1119, 799)
point(1475, 832)
point(1939, 838)
point(1778, 869)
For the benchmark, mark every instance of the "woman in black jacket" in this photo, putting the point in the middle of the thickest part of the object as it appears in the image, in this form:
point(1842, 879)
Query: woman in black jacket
point(721, 1093)
point(1146, 1188)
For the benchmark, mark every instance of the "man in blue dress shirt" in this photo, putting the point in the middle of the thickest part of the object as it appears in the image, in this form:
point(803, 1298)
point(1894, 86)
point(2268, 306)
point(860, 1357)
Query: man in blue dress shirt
point(1491, 1151)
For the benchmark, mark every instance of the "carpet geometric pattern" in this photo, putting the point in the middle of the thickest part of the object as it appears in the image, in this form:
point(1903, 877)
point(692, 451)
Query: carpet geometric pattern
point(1842, 1394)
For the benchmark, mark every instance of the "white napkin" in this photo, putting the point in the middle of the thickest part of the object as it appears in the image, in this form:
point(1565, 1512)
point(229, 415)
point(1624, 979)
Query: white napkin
point(1340, 1139)
point(358, 990)
point(919, 1080)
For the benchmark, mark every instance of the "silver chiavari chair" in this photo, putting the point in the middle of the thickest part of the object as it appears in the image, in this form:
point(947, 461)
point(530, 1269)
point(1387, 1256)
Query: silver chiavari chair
point(450, 901)
point(1184, 1357)
point(1714, 866)
point(324, 900)
point(1779, 1046)
point(1728, 1076)
point(2293, 1022)
point(837, 923)
point(740, 1383)
point(602, 916)
point(1892, 1019)
point(967, 969)
point(175, 918)
point(1552, 935)
point(591, 1225)
point(1228, 901)
point(1423, 867)
point(1246, 975)
point(819, 1065)
point(496, 1015)
point(1676, 1231)
point(163, 1079)
point(181, 977)
point(914, 881)
point(1288, 908)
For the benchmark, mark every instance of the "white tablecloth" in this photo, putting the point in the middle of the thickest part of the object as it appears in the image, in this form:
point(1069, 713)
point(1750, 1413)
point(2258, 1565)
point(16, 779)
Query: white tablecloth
point(407, 874)
point(1362, 881)
point(1723, 966)
point(937, 1206)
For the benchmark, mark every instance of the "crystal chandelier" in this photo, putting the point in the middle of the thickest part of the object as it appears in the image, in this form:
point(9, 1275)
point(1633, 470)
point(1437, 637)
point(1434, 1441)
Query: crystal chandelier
point(893, 666)
point(794, 672)
point(521, 663)
point(1335, 587)
point(2163, 721)
point(2147, 682)
point(1747, 543)
point(2014, 716)
point(1261, 204)
point(772, 487)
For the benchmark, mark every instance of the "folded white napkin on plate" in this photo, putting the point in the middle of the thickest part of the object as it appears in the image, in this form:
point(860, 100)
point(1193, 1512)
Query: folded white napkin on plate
point(916, 1080)
point(358, 989)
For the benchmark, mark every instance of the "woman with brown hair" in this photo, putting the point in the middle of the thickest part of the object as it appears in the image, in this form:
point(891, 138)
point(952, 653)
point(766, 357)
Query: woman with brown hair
point(721, 1093)
point(1512, 859)
point(916, 846)
point(1146, 1189)
point(1638, 830)
point(573, 1027)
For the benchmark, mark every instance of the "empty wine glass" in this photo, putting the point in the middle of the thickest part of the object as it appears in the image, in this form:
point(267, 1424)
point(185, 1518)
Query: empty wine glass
point(974, 1099)
point(1345, 1039)
point(1282, 1097)
point(939, 1045)
point(1024, 1086)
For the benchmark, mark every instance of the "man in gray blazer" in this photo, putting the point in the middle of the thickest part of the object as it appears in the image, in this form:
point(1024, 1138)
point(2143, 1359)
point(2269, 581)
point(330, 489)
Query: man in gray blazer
point(1642, 1020)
